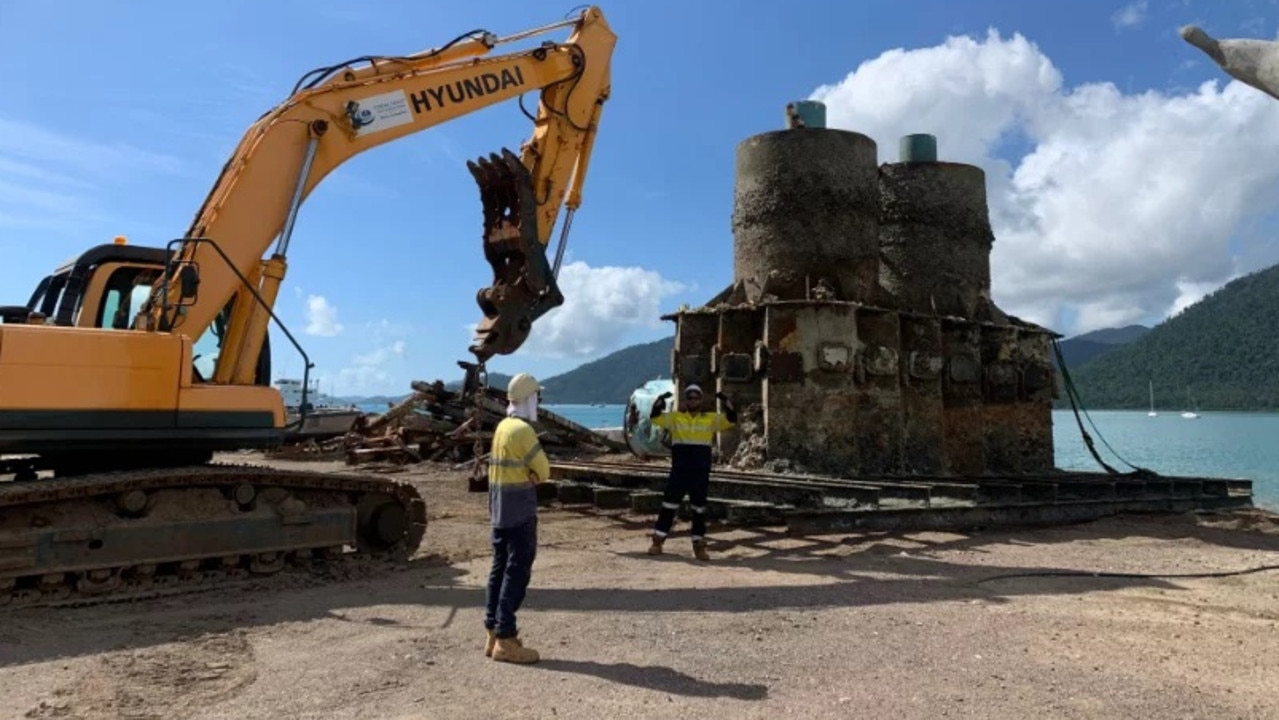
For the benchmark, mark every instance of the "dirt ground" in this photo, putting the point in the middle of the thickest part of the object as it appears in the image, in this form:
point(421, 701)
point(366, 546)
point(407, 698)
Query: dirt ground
point(866, 626)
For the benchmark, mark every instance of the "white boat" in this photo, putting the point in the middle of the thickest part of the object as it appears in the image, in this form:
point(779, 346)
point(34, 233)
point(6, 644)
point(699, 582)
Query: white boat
point(1190, 414)
point(321, 420)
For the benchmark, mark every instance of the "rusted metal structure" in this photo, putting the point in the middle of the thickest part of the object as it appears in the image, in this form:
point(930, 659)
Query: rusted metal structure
point(859, 336)
point(818, 504)
point(878, 385)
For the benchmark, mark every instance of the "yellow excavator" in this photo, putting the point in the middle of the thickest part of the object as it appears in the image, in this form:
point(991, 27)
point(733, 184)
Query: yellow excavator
point(130, 366)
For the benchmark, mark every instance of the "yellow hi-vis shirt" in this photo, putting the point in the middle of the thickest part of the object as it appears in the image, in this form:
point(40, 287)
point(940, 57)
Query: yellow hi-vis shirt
point(691, 435)
point(515, 453)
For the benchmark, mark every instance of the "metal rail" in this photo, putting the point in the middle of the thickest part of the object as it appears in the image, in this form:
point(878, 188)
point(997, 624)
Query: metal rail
point(816, 505)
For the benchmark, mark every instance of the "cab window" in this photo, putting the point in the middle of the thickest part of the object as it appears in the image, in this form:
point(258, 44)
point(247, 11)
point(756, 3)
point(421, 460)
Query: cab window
point(208, 346)
point(126, 291)
point(119, 316)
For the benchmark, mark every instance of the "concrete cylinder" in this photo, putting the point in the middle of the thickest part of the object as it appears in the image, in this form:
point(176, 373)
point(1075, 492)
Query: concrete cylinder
point(806, 215)
point(935, 236)
point(917, 148)
point(806, 114)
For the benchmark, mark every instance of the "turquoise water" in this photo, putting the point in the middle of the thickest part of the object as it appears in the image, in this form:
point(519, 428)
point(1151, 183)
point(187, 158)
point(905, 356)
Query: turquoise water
point(1244, 445)
point(591, 416)
point(1217, 444)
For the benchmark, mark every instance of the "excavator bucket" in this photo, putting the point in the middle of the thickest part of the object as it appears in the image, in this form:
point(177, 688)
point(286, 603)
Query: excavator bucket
point(524, 287)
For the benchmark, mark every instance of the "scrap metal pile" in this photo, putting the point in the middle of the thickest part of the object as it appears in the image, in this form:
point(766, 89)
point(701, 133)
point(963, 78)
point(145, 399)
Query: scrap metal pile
point(436, 424)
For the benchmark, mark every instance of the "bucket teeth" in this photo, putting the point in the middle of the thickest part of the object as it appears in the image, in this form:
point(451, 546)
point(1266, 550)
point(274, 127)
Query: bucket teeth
point(506, 194)
point(523, 287)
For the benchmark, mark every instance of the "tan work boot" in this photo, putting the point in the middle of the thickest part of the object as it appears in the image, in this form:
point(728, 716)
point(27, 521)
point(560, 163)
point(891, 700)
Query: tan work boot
point(699, 550)
point(489, 643)
point(656, 547)
point(512, 650)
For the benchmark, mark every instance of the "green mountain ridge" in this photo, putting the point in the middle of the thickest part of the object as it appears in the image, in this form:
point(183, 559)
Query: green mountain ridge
point(1113, 336)
point(1081, 349)
point(1218, 354)
point(611, 379)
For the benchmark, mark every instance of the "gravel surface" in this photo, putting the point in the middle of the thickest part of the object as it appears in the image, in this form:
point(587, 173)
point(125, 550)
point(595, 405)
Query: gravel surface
point(917, 626)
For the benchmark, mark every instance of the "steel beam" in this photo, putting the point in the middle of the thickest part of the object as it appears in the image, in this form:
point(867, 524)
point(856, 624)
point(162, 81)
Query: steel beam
point(820, 522)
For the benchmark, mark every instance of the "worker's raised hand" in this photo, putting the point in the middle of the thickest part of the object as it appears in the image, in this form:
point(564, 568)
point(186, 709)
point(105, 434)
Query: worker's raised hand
point(728, 402)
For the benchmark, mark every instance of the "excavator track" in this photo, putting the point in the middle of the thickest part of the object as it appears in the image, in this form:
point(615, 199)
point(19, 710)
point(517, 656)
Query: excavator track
point(128, 535)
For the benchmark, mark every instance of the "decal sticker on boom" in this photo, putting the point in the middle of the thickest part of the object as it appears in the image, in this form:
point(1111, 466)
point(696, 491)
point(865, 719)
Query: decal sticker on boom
point(379, 112)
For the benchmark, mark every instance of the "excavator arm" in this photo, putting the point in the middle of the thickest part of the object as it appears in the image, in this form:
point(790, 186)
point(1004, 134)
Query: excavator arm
point(337, 112)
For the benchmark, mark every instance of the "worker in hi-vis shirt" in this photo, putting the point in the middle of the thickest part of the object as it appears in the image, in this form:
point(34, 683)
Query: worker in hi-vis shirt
point(692, 431)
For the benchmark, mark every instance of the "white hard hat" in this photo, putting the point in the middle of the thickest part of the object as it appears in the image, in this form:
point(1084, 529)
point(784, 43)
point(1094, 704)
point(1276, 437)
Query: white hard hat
point(521, 387)
point(693, 388)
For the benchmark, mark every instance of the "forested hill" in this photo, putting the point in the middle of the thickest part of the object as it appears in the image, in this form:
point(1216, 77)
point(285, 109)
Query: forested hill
point(495, 380)
point(1083, 348)
point(611, 378)
point(1219, 354)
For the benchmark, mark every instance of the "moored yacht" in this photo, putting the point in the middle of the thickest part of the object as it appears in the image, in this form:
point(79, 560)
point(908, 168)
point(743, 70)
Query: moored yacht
point(322, 419)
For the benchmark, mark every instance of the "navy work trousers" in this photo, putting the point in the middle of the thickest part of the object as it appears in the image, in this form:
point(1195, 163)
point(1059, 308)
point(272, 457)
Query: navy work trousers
point(693, 482)
point(514, 549)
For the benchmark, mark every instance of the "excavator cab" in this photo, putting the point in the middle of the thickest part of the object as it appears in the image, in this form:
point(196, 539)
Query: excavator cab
point(73, 295)
point(104, 288)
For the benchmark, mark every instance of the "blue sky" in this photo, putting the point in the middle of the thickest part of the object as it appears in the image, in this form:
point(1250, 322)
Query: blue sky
point(117, 117)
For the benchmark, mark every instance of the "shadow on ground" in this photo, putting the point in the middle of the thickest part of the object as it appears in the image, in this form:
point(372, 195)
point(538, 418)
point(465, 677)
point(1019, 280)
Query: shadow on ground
point(871, 570)
point(654, 677)
point(838, 555)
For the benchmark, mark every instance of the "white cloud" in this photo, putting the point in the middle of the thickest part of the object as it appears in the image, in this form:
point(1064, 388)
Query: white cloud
point(601, 304)
point(370, 372)
point(321, 317)
point(389, 328)
point(48, 180)
point(1130, 15)
point(1253, 26)
point(1120, 203)
point(37, 144)
point(381, 369)
point(1190, 293)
